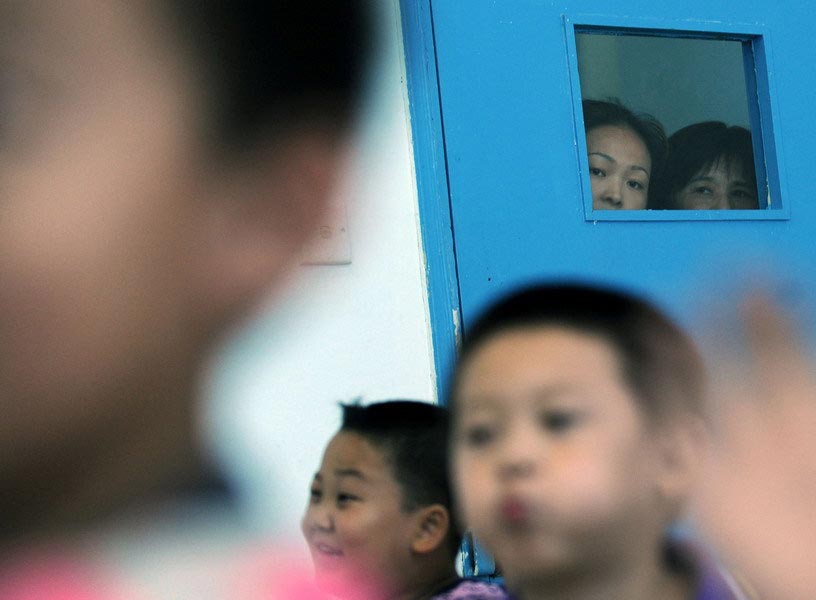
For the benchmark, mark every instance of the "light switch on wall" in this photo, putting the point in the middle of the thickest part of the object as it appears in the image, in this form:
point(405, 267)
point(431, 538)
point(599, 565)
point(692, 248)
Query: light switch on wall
point(331, 245)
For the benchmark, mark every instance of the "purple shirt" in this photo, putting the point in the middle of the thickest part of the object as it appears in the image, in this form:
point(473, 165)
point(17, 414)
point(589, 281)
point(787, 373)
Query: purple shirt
point(711, 580)
point(467, 589)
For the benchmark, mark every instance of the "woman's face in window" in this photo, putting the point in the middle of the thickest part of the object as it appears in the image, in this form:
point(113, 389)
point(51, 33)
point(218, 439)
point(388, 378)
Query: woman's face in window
point(719, 187)
point(619, 168)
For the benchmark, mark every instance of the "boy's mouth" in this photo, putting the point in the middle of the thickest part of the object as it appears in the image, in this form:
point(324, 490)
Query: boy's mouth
point(327, 550)
point(514, 511)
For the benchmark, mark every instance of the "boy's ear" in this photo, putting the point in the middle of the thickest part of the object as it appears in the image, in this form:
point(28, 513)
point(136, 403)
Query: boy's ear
point(681, 451)
point(433, 524)
point(263, 210)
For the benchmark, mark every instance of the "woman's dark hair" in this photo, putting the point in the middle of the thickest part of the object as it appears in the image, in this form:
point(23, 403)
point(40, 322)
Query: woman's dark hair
point(697, 148)
point(272, 64)
point(598, 113)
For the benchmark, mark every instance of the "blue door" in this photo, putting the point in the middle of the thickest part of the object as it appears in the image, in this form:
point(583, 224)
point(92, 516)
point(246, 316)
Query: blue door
point(509, 90)
point(496, 90)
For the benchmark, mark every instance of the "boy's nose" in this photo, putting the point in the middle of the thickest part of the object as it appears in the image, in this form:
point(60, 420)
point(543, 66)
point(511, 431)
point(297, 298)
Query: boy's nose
point(318, 517)
point(518, 455)
point(515, 469)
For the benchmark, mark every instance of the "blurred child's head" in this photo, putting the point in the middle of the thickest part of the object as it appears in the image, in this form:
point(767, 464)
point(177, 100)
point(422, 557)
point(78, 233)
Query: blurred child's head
point(573, 416)
point(162, 164)
point(380, 507)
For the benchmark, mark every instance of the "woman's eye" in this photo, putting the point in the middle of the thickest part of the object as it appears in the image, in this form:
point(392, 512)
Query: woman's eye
point(636, 185)
point(742, 199)
point(703, 190)
point(478, 436)
point(344, 499)
point(596, 172)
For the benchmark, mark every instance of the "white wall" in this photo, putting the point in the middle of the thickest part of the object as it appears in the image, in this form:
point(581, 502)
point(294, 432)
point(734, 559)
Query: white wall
point(345, 331)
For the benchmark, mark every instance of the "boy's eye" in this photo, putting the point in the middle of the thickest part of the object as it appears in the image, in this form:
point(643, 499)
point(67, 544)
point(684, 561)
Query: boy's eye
point(344, 499)
point(596, 172)
point(23, 96)
point(478, 435)
point(703, 190)
point(559, 421)
point(315, 495)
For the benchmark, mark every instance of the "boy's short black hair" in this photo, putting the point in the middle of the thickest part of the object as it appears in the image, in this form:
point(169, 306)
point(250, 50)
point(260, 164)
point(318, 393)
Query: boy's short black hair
point(598, 113)
point(699, 147)
point(658, 361)
point(272, 63)
point(413, 438)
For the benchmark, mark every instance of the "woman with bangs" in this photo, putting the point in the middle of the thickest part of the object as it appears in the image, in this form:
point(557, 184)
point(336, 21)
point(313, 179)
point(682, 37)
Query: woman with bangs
point(710, 166)
point(625, 152)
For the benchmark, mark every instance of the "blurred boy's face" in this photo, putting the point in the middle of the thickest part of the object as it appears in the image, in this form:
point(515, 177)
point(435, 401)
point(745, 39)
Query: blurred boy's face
point(97, 183)
point(108, 265)
point(552, 460)
point(355, 526)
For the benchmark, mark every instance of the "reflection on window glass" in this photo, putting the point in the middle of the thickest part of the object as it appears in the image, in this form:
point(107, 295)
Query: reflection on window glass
point(638, 88)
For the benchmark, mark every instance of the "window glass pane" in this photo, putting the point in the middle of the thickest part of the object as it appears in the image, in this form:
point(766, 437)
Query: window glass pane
point(669, 123)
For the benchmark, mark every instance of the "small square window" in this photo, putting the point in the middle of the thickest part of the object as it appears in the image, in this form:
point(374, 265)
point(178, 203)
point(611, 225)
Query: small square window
point(673, 124)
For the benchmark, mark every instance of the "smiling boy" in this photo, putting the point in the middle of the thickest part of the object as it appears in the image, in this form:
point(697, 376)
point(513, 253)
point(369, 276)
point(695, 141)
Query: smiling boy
point(379, 522)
